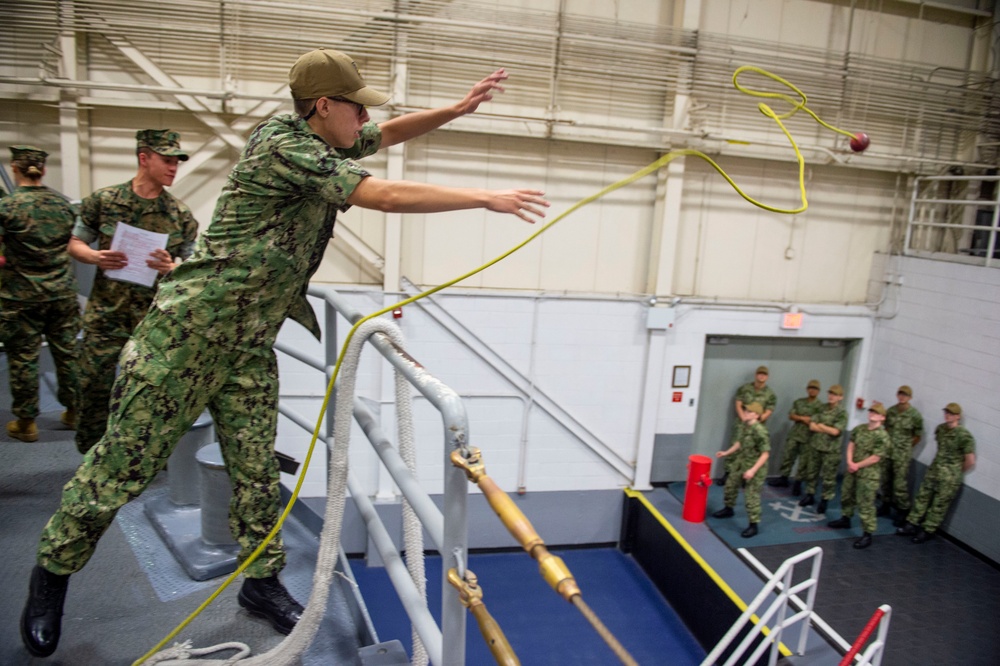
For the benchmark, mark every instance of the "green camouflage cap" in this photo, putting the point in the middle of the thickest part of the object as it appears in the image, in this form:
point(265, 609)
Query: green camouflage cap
point(836, 389)
point(905, 390)
point(163, 141)
point(878, 408)
point(329, 73)
point(28, 153)
point(953, 408)
point(813, 383)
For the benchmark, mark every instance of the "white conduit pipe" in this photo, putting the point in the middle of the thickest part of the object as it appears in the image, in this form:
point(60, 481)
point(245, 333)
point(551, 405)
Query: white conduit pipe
point(290, 650)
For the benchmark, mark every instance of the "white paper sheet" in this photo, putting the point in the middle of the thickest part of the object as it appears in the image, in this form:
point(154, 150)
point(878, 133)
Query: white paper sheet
point(137, 244)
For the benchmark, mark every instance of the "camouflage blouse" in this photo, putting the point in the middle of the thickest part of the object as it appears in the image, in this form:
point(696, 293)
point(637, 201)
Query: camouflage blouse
point(35, 226)
point(271, 226)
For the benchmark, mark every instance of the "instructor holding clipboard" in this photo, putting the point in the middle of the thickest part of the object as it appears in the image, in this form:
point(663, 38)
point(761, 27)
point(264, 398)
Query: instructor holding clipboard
point(116, 306)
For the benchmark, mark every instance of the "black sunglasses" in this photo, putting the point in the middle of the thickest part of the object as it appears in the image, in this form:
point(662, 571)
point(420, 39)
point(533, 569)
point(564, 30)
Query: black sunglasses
point(359, 108)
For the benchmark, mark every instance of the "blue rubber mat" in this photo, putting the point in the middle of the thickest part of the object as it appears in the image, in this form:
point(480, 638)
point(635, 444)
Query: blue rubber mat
point(782, 520)
point(540, 626)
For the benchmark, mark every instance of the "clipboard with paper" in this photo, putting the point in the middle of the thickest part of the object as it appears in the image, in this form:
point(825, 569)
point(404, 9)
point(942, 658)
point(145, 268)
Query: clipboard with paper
point(137, 244)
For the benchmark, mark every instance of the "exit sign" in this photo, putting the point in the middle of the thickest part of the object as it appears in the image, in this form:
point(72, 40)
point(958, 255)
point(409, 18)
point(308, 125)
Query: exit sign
point(791, 320)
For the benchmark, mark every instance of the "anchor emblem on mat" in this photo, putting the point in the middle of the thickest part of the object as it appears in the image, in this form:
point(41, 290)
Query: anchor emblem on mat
point(795, 513)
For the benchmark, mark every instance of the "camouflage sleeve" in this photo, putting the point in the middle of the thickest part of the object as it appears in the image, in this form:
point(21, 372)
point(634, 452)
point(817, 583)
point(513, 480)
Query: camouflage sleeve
point(967, 443)
point(918, 424)
point(772, 401)
point(765, 438)
point(840, 421)
point(741, 395)
point(87, 227)
point(190, 228)
point(3, 217)
point(301, 165)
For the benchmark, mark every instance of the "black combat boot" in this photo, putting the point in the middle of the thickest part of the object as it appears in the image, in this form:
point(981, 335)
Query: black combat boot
point(750, 531)
point(821, 507)
point(841, 523)
point(41, 621)
point(808, 500)
point(909, 529)
point(796, 488)
point(864, 541)
point(780, 482)
point(922, 537)
point(725, 512)
point(268, 598)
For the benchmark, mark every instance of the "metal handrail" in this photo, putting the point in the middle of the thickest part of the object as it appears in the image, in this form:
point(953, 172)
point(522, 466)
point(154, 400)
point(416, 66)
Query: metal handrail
point(447, 527)
point(781, 580)
point(873, 655)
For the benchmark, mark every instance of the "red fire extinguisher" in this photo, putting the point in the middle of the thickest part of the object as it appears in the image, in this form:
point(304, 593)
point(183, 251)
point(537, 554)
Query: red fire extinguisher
point(696, 489)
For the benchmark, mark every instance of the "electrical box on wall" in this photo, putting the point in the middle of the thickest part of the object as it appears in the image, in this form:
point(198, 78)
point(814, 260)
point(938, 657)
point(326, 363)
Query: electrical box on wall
point(662, 318)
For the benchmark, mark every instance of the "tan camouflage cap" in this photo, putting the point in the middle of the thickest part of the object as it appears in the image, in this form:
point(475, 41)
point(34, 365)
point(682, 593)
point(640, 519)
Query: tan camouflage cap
point(762, 370)
point(28, 154)
point(164, 142)
point(953, 408)
point(836, 389)
point(329, 73)
point(878, 408)
point(756, 408)
point(905, 390)
point(813, 383)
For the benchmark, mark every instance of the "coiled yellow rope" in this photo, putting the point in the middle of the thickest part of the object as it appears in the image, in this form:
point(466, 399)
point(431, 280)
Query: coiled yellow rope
point(797, 105)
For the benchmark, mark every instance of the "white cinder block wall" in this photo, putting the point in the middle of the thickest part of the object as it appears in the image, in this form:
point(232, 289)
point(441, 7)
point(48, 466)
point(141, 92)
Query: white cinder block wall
point(939, 332)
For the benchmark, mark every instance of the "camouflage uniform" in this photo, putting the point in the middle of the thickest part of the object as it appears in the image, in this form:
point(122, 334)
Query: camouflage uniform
point(944, 478)
point(798, 437)
point(207, 342)
point(116, 307)
point(902, 426)
point(824, 454)
point(37, 294)
point(754, 440)
point(747, 394)
point(859, 488)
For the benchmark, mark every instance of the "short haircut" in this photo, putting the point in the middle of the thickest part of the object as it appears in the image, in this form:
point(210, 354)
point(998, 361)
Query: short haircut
point(304, 106)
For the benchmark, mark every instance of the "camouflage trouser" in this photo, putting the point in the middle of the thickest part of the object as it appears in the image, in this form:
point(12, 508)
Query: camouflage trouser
point(168, 378)
point(751, 490)
point(895, 470)
point(807, 455)
point(103, 340)
point(22, 325)
point(859, 489)
point(823, 467)
point(795, 447)
point(935, 496)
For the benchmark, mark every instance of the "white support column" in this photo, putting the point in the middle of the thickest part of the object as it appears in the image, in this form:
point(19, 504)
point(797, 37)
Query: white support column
point(656, 352)
point(69, 120)
point(395, 169)
point(663, 262)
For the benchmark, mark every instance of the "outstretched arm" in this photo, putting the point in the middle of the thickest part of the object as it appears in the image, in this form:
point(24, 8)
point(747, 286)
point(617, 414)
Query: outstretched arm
point(402, 196)
point(411, 125)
